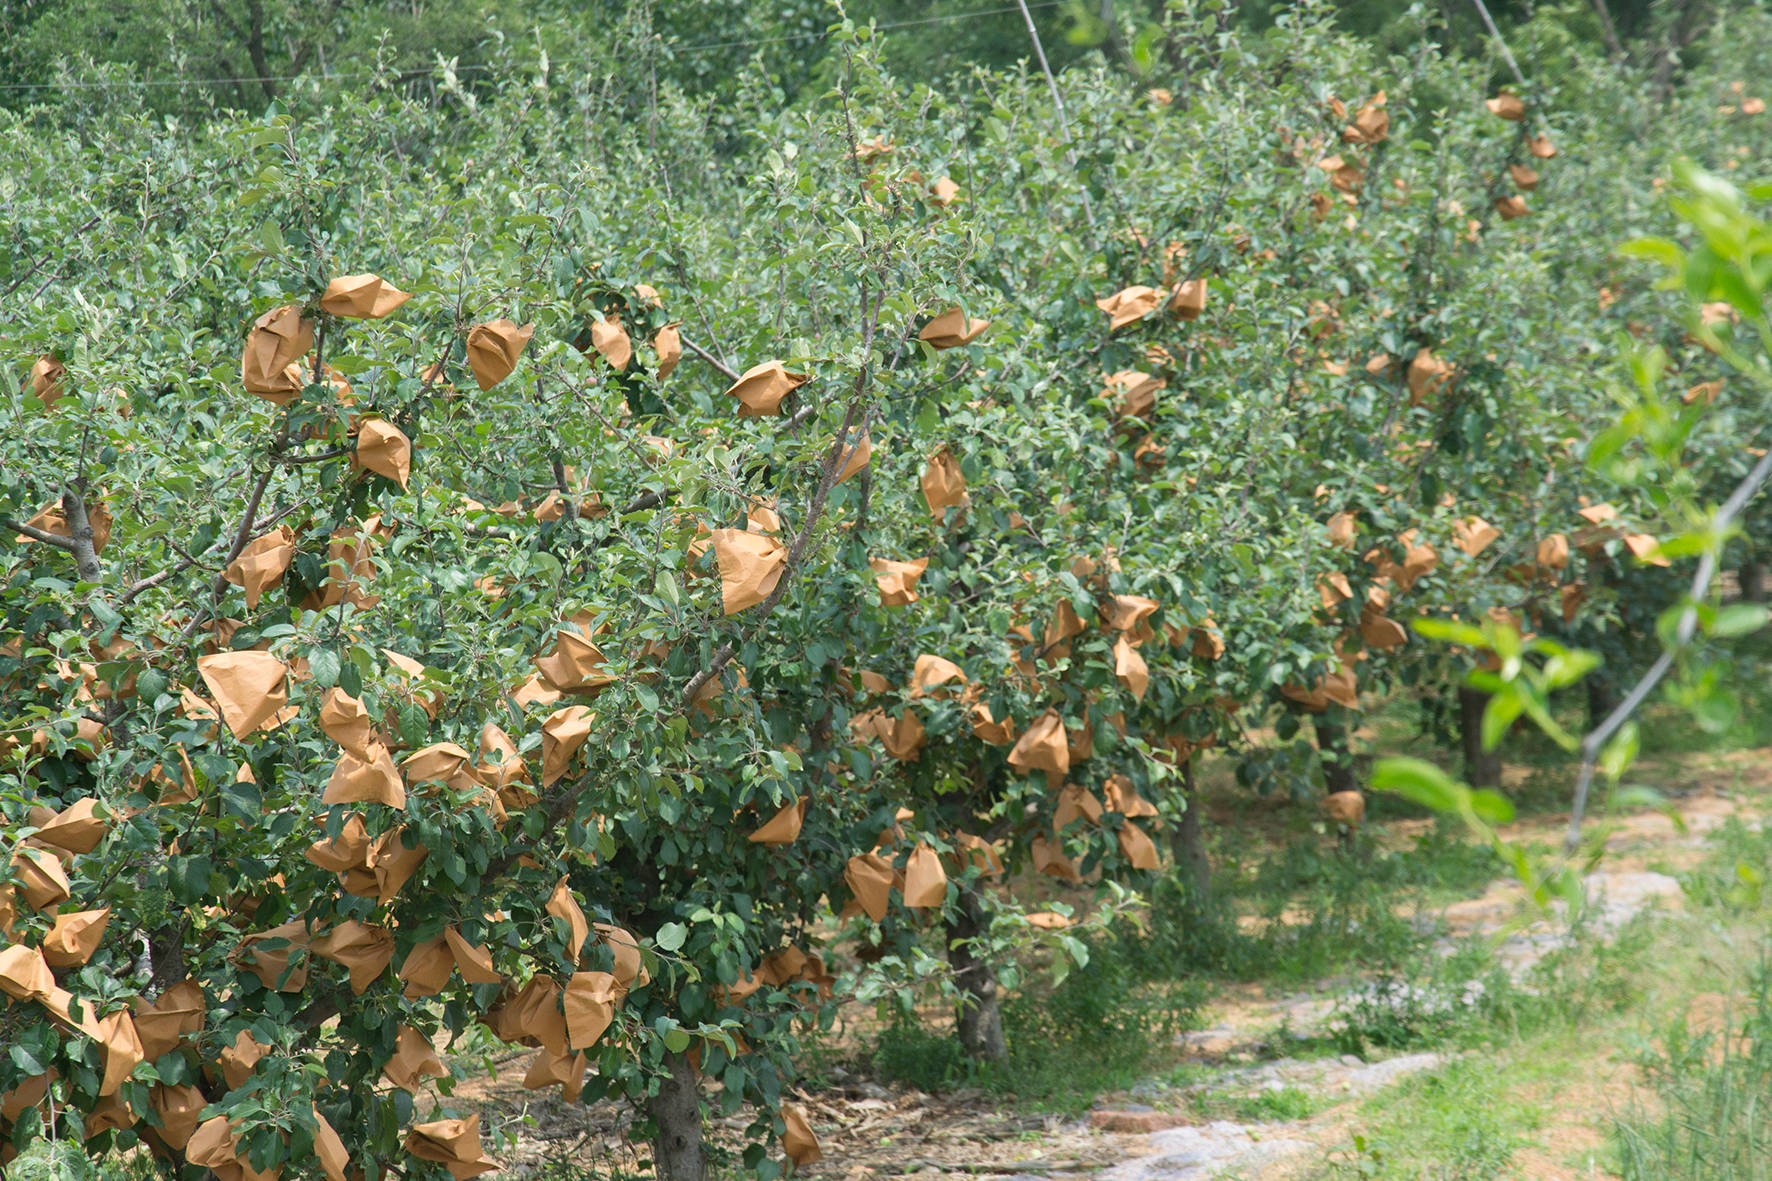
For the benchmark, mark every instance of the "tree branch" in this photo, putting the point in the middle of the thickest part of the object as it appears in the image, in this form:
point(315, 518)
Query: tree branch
point(1688, 625)
point(36, 534)
point(726, 371)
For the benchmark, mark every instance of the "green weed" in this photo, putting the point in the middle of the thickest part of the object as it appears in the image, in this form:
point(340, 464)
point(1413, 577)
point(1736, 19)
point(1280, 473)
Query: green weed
point(1455, 1124)
point(1713, 1119)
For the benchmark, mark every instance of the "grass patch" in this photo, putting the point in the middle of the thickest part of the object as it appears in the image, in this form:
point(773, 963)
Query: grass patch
point(1276, 1105)
point(1459, 1123)
point(1104, 1027)
point(1714, 1092)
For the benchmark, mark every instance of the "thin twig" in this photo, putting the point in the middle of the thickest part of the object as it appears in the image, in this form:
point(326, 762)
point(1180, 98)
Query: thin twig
point(726, 370)
point(1688, 625)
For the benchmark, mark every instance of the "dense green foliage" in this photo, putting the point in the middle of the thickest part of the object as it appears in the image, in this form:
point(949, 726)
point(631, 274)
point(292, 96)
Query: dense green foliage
point(1386, 349)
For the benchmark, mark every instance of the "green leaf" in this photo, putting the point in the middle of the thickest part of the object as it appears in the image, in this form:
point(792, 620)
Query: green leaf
point(670, 937)
point(1738, 619)
point(1492, 806)
point(1620, 751)
point(1420, 782)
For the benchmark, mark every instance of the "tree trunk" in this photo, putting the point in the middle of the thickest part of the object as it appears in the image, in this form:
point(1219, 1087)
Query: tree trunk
point(1338, 762)
point(980, 1018)
point(1600, 699)
point(1481, 767)
point(1753, 580)
point(676, 1109)
point(1187, 844)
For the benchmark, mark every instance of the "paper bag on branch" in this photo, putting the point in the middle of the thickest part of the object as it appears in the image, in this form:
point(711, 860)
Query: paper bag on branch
point(629, 967)
point(856, 454)
point(1188, 299)
point(668, 344)
point(472, 960)
point(239, 1060)
point(77, 828)
point(1128, 305)
point(1346, 807)
point(261, 564)
point(611, 341)
point(1473, 535)
point(575, 665)
point(345, 852)
point(24, 973)
point(563, 735)
point(249, 687)
point(275, 965)
point(562, 905)
point(452, 1143)
point(1130, 668)
point(1119, 795)
point(589, 1002)
point(1553, 552)
point(784, 827)
point(751, 564)
point(46, 379)
point(944, 486)
point(1042, 747)
point(329, 1149)
point(1377, 630)
point(42, 882)
point(391, 862)
point(493, 349)
point(415, 1060)
point(372, 781)
point(426, 968)
point(533, 1016)
point(1137, 847)
point(1050, 860)
point(869, 877)
point(384, 449)
point(362, 297)
point(1506, 105)
point(974, 850)
point(51, 518)
point(931, 671)
point(164, 1024)
point(952, 329)
point(897, 581)
point(364, 950)
point(75, 936)
point(278, 339)
point(985, 728)
point(797, 1139)
point(178, 1108)
point(761, 388)
point(1074, 801)
point(1133, 393)
point(344, 720)
point(567, 1070)
point(925, 881)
